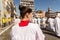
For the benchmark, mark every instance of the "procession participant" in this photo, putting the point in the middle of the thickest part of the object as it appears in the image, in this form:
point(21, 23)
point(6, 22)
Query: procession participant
point(39, 21)
point(26, 30)
point(51, 24)
point(57, 25)
point(44, 22)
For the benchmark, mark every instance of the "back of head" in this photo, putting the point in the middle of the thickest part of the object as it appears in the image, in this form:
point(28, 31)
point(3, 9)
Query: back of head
point(24, 10)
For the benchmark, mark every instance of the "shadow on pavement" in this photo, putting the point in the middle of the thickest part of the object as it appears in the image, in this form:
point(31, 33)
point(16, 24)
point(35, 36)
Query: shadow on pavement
point(49, 32)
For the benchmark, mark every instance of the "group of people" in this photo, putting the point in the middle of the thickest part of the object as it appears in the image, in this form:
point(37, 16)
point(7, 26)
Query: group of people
point(54, 25)
point(28, 27)
point(40, 21)
point(25, 29)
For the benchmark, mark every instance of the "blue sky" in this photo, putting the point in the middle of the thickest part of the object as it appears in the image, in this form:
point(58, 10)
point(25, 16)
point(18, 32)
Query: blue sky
point(17, 3)
point(43, 5)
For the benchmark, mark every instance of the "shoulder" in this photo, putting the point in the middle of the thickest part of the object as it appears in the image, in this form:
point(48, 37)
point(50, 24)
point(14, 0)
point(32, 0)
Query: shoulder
point(15, 27)
point(33, 25)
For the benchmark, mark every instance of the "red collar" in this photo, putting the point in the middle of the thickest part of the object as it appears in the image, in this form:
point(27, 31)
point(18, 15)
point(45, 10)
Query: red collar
point(23, 23)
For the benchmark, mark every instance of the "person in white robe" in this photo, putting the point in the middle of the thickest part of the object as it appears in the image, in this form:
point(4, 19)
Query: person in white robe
point(57, 26)
point(44, 22)
point(51, 24)
point(26, 30)
point(32, 20)
point(35, 20)
point(30, 32)
point(39, 21)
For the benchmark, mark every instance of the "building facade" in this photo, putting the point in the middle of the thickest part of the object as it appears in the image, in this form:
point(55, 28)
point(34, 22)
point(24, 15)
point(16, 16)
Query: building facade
point(29, 3)
point(6, 11)
point(49, 13)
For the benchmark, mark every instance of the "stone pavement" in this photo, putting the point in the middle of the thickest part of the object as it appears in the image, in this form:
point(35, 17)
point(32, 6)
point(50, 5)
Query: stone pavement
point(2, 30)
point(5, 35)
point(50, 35)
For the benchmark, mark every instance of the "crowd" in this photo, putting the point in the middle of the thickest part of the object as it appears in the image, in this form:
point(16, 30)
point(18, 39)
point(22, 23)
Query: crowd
point(29, 27)
point(52, 23)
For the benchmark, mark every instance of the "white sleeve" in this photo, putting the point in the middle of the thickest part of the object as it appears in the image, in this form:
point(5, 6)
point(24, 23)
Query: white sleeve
point(39, 34)
point(13, 33)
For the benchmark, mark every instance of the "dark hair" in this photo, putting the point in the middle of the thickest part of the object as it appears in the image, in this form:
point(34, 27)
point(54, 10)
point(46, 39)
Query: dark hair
point(24, 10)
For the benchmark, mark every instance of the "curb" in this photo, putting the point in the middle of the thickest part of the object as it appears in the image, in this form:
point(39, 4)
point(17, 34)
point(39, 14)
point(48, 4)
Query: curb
point(6, 29)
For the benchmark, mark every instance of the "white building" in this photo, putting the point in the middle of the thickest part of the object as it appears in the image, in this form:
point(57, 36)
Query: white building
point(29, 3)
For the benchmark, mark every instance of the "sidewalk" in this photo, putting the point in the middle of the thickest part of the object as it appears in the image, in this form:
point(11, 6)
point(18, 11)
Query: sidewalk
point(2, 30)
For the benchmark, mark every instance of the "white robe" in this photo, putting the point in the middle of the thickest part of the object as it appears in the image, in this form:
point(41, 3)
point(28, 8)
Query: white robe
point(34, 20)
point(44, 22)
point(30, 32)
point(17, 21)
point(39, 21)
point(57, 26)
point(51, 24)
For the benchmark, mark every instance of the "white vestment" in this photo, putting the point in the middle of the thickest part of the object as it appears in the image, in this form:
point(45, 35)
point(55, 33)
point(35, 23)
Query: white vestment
point(30, 32)
point(44, 22)
point(57, 26)
point(17, 21)
point(51, 24)
point(34, 20)
point(39, 21)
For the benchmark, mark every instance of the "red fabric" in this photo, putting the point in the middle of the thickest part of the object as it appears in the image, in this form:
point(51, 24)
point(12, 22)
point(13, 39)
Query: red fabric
point(23, 23)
